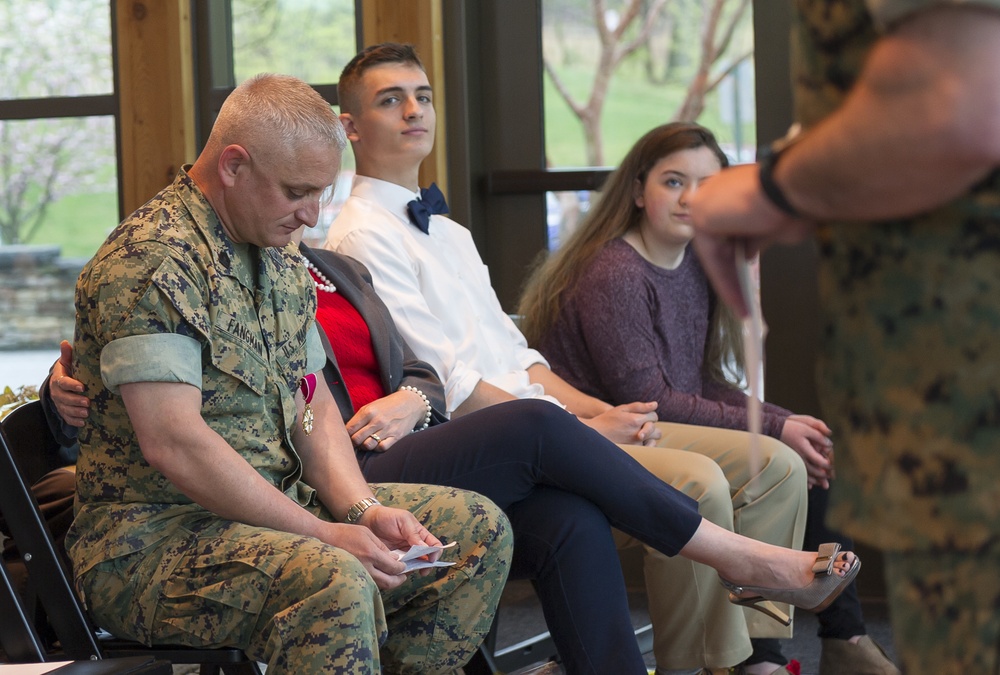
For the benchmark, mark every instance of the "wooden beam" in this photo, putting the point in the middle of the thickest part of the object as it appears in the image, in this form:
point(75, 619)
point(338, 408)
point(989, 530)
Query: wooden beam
point(156, 95)
point(419, 23)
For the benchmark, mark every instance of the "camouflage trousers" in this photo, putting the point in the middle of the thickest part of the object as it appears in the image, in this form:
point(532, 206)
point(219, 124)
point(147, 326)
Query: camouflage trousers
point(945, 609)
point(302, 606)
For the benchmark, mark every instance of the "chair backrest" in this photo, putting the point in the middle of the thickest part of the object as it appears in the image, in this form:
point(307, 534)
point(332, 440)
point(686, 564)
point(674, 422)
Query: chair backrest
point(27, 452)
point(24, 433)
point(36, 452)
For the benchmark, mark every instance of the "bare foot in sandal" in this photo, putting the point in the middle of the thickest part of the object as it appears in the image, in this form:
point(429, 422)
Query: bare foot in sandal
point(755, 571)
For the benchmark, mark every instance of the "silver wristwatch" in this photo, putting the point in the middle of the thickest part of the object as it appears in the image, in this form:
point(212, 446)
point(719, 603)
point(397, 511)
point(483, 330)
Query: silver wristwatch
point(357, 510)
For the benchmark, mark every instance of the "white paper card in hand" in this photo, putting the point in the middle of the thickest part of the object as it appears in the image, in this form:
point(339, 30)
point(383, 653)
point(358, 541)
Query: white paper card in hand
point(414, 557)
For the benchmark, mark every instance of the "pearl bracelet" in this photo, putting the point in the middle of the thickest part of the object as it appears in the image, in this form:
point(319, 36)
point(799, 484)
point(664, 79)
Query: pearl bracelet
point(427, 415)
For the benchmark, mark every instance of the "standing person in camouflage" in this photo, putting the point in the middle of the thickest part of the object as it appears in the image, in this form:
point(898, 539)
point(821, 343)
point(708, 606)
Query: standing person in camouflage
point(210, 511)
point(898, 162)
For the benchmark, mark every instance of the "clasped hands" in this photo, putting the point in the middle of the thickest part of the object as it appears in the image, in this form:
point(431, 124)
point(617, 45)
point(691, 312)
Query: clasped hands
point(810, 438)
point(630, 423)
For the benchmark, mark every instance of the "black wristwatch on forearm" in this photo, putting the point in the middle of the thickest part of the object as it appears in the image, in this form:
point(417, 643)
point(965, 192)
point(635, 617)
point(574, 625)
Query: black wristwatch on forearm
point(766, 166)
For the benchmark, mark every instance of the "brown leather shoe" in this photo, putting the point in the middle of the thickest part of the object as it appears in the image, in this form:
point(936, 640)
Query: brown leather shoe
point(867, 657)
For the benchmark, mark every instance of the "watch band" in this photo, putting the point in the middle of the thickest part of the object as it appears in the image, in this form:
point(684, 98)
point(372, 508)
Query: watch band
point(766, 167)
point(770, 187)
point(357, 510)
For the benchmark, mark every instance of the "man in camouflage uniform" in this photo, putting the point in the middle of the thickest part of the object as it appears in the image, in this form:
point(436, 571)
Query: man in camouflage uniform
point(899, 107)
point(207, 510)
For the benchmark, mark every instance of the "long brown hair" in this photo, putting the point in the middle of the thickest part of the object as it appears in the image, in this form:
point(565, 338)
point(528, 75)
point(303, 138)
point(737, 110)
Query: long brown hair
point(611, 217)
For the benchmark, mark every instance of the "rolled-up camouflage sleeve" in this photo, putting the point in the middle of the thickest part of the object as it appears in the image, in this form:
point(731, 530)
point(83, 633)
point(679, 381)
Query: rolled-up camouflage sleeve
point(165, 357)
point(160, 336)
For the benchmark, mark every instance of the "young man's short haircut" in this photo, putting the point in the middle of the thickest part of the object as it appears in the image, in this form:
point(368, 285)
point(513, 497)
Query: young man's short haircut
point(369, 57)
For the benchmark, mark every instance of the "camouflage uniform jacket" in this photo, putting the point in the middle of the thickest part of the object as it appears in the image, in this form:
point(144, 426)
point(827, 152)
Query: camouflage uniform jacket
point(910, 371)
point(169, 297)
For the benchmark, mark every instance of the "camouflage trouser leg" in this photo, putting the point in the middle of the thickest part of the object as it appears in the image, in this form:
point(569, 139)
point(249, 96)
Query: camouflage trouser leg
point(305, 607)
point(945, 610)
point(437, 622)
point(293, 602)
point(429, 624)
point(322, 614)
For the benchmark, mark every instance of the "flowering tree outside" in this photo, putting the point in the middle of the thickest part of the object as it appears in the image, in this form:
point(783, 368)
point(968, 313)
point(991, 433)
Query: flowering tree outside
point(619, 67)
point(52, 48)
point(311, 39)
point(616, 68)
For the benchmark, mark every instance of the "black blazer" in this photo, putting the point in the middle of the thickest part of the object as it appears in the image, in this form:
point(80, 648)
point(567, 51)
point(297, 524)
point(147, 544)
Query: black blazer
point(65, 435)
point(397, 364)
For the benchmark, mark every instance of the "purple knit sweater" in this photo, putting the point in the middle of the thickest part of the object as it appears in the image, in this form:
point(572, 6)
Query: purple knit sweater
point(632, 331)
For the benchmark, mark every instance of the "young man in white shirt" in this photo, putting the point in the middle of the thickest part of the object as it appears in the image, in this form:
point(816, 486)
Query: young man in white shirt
point(438, 290)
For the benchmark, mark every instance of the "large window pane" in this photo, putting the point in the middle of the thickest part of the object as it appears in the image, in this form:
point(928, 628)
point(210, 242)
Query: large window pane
point(58, 187)
point(563, 211)
point(310, 39)
point(59, 183)
point(650, 68)
point(58, 201)
point(55, 48)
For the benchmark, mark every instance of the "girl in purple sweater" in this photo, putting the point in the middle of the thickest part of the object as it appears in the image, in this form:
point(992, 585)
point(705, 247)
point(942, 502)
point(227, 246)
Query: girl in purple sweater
point(624, 312)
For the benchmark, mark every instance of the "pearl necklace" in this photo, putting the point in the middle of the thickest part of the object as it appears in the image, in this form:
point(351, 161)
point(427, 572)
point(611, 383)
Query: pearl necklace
point(326, 284)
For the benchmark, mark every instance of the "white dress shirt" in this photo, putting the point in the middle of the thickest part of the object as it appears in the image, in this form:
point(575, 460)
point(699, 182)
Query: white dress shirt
point(437, 290)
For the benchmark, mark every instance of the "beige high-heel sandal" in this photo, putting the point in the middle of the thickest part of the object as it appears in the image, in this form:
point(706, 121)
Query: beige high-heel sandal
point(814, 597)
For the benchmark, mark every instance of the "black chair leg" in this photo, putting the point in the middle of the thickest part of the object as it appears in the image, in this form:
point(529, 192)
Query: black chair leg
point(480, 664)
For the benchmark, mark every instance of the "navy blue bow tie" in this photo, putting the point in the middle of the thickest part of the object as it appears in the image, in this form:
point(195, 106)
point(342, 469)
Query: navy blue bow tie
point(431, 201)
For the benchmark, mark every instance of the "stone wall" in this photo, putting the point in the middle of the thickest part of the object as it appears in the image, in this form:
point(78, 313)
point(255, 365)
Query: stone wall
point(36, 296)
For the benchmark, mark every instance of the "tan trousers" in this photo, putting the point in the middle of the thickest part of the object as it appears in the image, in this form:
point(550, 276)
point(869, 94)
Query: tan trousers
point(694, 624)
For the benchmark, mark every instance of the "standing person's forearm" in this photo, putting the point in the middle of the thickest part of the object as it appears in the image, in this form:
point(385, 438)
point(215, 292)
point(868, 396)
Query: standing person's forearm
point(918, 129)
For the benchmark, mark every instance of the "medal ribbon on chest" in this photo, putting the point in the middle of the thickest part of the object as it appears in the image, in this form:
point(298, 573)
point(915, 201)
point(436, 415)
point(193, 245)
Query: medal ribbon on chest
point(308, 386)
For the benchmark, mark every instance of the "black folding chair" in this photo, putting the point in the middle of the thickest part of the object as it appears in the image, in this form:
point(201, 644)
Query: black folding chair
point(488, 660)
point(27, 452)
